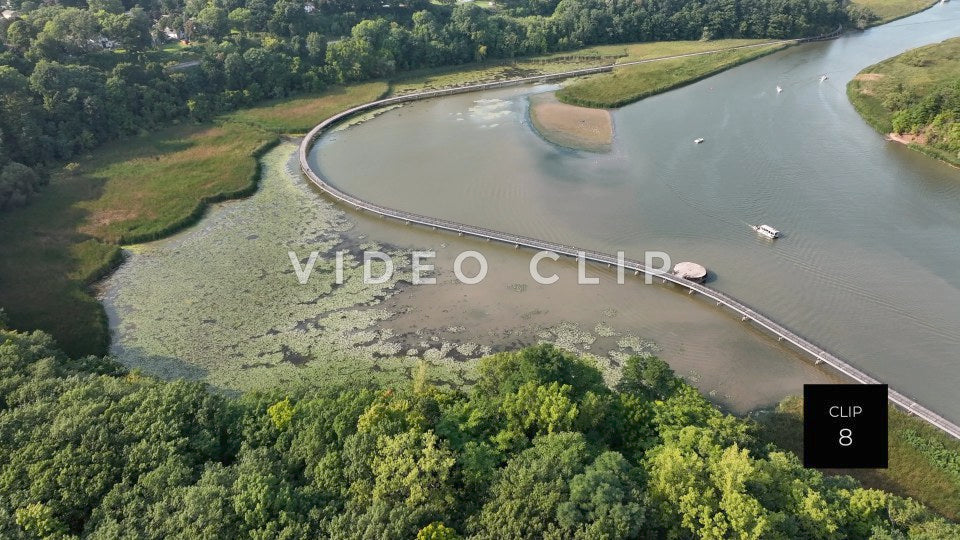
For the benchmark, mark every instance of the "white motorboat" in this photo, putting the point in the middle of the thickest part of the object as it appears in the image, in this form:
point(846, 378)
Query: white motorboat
point(823, 78)
point(779, 89)
point(766, 231)
point(698, 141)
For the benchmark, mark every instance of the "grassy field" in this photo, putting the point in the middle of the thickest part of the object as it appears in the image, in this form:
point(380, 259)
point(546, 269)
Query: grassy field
point(127, 192)
point(889, 10)
point(162, 183)
point(924, 462)
point(632, 83)
point(882, 89)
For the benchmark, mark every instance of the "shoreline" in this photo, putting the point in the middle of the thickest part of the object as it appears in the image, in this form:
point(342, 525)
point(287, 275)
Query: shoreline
point(747, 313)
point(571, 126)
point(903, 16)
point(918, 145)
point(869, 89)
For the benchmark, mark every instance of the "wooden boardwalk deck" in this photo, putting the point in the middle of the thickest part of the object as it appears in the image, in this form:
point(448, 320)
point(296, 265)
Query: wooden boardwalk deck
point(746, 313)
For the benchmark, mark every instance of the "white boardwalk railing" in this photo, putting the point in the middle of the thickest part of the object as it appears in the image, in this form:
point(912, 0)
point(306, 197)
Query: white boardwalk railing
point(722, 299)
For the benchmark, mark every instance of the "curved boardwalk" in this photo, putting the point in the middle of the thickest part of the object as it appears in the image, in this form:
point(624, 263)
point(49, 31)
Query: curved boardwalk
point(744, 311)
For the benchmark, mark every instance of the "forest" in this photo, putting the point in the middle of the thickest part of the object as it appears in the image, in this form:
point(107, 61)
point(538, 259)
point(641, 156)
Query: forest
point(77, 73)
point(538, 447)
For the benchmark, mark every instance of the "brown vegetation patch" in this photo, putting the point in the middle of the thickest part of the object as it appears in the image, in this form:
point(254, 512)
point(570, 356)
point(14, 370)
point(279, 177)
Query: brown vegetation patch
point(105, 217)
point(908, 138)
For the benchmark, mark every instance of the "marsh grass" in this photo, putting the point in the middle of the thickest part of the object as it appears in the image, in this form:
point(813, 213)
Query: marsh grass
point(299, 115)
point(914, 470)
point(148, 187)
point(633, 83)
point(878, 90)
point(132, 191)
point(163, 182)
point(431, 79)
point(891, 10)
point(220, 302)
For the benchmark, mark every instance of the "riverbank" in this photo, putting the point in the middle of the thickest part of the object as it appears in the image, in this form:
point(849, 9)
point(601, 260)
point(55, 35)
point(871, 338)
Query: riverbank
point(570, 126)
point(912, 99)
point(633, 83)
point(600, 55)
point(891, 10)
point(134, 191)
point(149, 187)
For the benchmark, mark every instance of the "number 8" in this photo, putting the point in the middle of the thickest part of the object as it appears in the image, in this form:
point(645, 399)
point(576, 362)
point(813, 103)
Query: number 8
point(846, 437)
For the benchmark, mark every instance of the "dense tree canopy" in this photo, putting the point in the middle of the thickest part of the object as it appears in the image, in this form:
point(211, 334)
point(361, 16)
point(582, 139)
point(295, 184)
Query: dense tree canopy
point(933, 115)
point(76, 73)
point(539, 448)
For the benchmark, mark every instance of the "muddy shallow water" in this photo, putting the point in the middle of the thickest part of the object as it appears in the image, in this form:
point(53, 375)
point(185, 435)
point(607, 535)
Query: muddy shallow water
point(221, 302)
point(869, 265)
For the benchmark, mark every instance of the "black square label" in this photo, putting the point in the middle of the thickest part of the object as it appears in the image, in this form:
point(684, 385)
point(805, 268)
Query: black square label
point(845, 426)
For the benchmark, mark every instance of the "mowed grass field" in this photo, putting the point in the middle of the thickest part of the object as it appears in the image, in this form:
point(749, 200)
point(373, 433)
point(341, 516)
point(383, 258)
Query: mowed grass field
point(632, 83)
point(924, 462)
point(131, 191)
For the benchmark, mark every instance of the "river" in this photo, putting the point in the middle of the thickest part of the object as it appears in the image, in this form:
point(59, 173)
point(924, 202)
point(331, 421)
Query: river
point(869, 265)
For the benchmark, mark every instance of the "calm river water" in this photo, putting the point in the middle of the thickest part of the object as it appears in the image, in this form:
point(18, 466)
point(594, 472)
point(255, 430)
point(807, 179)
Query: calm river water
point(869, 266)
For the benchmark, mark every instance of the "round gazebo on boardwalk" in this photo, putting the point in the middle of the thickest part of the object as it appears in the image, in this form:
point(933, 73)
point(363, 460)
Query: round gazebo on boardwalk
point(691, 271)
point(746, 313)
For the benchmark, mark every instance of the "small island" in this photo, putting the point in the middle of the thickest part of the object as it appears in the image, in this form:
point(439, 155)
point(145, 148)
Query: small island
point(580, 128)
point(578, 115)
point(914, 99)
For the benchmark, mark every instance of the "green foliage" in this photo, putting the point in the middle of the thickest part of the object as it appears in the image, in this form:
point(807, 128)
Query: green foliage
point(531, 488)
point(88, 450)
point(539, 410)
point(18, 183)
point(916, 93)
point(281, 413)
point(919, 456)
point(649, 377)
point(437, 531)
point(606, 500)
point(945, 458)
point(38, 520)
point(97, 70)
point(861, 16)
point(873, 12)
